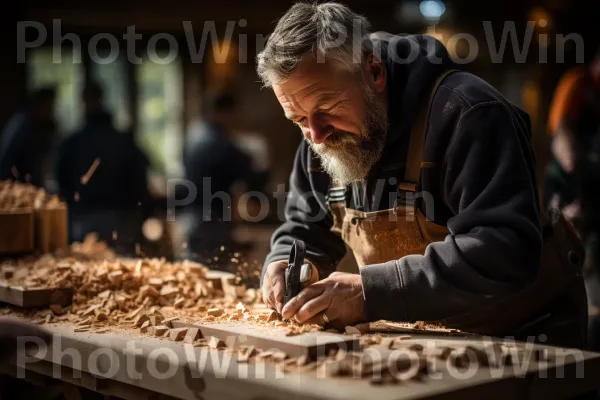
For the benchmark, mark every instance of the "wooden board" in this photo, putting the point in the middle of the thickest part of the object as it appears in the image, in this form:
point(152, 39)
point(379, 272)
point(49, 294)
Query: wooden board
point(51, 229)
point(200, 372)
point(35, 298)
point(17, 231)
point(241, 334)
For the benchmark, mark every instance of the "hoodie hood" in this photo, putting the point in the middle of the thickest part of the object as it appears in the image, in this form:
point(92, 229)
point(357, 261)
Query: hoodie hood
point(413, 64)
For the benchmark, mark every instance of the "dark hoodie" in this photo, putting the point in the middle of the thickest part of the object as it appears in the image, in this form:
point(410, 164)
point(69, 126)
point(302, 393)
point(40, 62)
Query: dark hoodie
point(484, 192)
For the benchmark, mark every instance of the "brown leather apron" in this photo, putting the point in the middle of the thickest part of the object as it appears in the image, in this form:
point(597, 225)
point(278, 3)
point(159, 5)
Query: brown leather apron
point(381, 236)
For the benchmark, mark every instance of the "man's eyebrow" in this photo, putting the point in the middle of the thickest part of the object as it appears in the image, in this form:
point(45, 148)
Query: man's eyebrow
point(325, 99)
point(291, 116)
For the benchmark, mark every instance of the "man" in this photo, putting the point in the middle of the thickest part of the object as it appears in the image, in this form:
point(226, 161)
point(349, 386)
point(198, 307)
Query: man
point(214, 164)
point(426, 173)
point(27, 140)
point(572, 178)
point(102, 175)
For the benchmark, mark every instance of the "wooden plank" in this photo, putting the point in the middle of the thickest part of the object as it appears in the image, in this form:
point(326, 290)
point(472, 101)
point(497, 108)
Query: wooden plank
point(51, 228)
point(17, 234)
point(207, 373)
point(34, 298)
point(306, 344)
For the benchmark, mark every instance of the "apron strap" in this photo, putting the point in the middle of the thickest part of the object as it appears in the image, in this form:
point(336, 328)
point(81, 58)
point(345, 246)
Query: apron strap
point(414, 158)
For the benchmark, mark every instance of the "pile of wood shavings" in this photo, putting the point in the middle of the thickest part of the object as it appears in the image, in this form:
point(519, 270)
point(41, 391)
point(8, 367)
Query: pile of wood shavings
point(16, 195)
point(110, 293)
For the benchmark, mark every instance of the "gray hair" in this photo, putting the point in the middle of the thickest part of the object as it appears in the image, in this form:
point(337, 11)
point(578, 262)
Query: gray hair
point(328, 31)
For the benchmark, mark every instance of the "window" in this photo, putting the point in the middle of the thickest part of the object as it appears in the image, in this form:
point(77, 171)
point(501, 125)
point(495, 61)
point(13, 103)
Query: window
point(160, 125)
point(67, 78)
point(113, 79)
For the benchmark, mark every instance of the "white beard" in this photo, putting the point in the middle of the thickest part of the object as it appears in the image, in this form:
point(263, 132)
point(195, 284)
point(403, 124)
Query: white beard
point(348, 157)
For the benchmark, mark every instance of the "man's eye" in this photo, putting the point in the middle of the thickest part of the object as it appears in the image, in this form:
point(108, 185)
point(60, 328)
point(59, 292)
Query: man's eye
point(300, 122)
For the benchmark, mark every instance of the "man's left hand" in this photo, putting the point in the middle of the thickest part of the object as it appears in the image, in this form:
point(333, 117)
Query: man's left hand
point(337, 299)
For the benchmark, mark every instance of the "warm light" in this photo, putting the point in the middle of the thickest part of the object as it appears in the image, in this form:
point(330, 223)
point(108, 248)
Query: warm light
point(432, 9)
point(541, 17)
point(152, 229)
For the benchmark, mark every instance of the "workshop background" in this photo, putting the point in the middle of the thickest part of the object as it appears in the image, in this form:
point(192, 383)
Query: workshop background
point(160, 102)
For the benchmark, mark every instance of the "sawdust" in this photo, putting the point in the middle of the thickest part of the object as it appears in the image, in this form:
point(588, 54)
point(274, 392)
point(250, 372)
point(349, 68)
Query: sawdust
point(18, 196)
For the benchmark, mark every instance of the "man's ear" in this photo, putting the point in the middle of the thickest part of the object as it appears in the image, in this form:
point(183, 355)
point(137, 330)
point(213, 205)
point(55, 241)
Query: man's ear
point(376, 70)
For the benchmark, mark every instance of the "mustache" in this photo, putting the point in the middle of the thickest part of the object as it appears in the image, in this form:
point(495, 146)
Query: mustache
point(338, 139)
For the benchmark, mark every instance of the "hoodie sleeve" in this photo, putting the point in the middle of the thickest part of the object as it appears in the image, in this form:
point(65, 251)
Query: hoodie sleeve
point(495, 239)
point(306, 217)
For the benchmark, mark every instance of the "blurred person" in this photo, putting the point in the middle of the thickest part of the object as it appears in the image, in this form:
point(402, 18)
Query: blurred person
point(102, 174)
point(215, 165)
point(428, 174)
point(27, 141)
point(572, 181)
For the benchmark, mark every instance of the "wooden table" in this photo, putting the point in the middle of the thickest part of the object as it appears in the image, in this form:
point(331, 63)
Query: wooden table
point(134, 367)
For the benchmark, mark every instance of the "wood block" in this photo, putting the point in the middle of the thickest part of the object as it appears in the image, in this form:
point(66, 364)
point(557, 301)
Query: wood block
point(56, 309)
point(168, 291)
point(35, 298)
point(156, 282)
point(215, 312)
point(8, 272)
point(216, 278)
point(51, 229)
point(272, 316)
point(245, 353)
point(115, 276)
point(158, 330)
point(18, 231)
point(192, 335)
point(177, 334)
point(168, 321)
point(101, 317)
point(145, 326)
point(216, 343)
point(155, 320)
point(141, 320)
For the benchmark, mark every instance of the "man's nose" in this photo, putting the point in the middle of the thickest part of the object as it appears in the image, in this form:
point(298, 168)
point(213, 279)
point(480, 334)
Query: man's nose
point(319, 132)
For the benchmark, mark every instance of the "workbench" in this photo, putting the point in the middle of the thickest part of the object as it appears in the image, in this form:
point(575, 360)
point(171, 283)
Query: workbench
point(132, 366)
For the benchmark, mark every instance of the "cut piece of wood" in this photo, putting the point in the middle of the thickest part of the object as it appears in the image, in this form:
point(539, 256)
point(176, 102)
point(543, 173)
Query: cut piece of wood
point(311, 344)
point(168, 321)
point(145, 326)
point(90, 310)
point(177, 334)
point(8, 272)
point(216, 343)
point(156, 282)
point(100, 317)
point(272, 316)
point(155, 320)
point(141, 320)
point(192, 335)
point(35, 298)
point(135, 312)
point(18, 231)
point(246, 353)
point(169, 290)
point(51, 228)
point(215, 312)
point(158, 330)
point(56, 309)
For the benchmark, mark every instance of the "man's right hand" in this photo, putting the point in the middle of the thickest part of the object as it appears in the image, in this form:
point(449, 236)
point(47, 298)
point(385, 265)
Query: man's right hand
point(273, 287)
